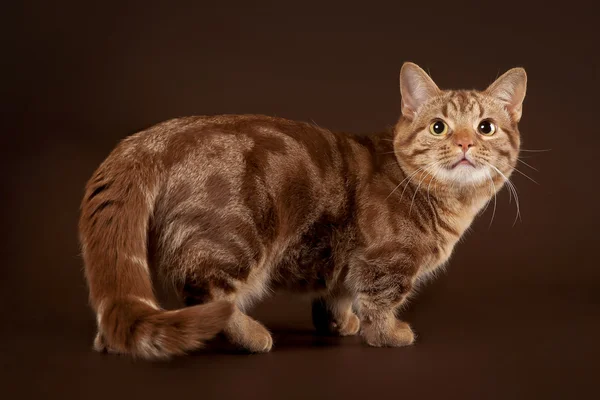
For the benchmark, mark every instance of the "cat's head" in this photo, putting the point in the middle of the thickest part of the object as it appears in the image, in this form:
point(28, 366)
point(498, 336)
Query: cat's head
point(459, 137)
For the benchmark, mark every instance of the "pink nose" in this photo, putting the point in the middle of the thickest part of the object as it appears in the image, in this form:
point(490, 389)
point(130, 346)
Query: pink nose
point(464, 142)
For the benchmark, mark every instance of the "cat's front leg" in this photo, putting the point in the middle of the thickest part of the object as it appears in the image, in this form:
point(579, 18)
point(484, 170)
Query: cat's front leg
point(333, 314)
point(380, 327)
point(381, 286)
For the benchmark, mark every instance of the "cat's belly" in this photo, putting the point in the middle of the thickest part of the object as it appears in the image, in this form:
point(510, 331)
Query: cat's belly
point(304, 268)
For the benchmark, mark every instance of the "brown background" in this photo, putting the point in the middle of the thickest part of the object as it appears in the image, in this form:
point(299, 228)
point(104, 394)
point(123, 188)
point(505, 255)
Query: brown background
point(515, 316)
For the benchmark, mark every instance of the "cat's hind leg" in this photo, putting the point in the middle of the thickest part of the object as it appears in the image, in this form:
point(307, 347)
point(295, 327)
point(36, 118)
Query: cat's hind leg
point(241, 330)
point(218, 256)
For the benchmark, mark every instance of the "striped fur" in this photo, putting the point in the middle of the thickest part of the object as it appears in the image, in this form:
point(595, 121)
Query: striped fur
point(230, 208)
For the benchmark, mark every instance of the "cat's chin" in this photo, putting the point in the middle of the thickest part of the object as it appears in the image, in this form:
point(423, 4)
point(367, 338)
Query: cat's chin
point(464, 174)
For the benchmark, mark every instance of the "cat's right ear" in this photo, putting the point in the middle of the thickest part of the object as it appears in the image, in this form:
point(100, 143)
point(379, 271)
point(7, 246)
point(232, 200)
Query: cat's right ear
point(416, 87)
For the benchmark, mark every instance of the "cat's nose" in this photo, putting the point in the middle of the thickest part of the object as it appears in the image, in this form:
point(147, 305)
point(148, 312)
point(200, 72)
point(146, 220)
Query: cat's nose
point(465, 142)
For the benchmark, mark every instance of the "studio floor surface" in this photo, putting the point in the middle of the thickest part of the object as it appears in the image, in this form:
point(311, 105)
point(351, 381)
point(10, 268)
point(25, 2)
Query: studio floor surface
point(522, 343)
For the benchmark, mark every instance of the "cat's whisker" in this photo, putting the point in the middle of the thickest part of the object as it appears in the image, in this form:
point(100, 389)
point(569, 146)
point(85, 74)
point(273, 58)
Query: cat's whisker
point(487, 204)
point(494, 191)
point(420, 182)
point(421, 169)
point(416, 190)
point(530, 166)
point(411, 177)
point(535, 150)
point(435, 172)
point(514, 191)
point(525, 175)
point(397, 186)
point(512, 188)
point(429, 186)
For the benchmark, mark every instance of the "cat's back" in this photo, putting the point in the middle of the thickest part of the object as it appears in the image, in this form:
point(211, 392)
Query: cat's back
point(174, 140)
point(252, 162)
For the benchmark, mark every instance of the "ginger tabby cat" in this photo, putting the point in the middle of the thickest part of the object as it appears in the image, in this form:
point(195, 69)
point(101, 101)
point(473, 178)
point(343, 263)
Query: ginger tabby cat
point(230, 208)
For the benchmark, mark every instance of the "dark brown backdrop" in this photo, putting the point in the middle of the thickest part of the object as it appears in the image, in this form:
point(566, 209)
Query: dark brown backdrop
point(515, 316)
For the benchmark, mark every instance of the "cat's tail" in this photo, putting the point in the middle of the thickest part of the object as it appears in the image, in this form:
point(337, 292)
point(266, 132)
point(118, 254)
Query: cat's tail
point(115, 215)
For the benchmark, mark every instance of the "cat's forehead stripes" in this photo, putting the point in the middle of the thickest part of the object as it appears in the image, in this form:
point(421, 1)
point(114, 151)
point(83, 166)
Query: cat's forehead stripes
point(463, 103)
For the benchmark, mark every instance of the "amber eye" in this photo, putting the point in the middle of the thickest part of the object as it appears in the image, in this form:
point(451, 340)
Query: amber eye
point(486, 128)
point(438, 127)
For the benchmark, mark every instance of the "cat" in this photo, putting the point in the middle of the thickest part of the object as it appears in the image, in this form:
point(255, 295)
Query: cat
point(230, 208)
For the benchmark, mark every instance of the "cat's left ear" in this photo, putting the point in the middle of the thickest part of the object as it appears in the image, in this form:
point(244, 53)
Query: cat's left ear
point(510, 88)
point(416, 88)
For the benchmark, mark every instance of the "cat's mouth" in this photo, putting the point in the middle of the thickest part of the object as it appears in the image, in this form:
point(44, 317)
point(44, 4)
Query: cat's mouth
point(463, 161)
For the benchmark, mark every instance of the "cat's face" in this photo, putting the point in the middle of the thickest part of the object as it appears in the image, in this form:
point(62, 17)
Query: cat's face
point(459, 138)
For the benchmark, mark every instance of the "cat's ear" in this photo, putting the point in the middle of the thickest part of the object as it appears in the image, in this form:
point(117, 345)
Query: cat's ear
point(510, 88)
point(416, 87)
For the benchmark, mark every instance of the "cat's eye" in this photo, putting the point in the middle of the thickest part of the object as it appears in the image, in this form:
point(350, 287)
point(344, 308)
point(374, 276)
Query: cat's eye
point(486, 128)
point(438, 128)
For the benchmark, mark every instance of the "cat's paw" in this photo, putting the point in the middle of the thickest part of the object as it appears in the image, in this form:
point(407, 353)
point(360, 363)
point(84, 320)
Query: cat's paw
point(400, 334)
point(250, 335)
point(349, 327)
point(260, 341)
point(99, 344)
point(327, 323)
